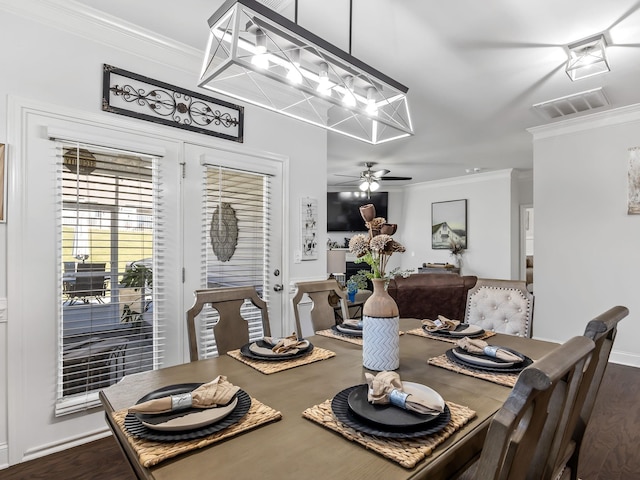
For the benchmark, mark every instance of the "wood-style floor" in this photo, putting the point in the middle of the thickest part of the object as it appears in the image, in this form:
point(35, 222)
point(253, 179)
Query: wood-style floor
point(610, 451)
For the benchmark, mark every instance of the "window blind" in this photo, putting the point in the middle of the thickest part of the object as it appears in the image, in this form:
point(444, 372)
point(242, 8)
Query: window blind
point(110, 288)
point(235, 241)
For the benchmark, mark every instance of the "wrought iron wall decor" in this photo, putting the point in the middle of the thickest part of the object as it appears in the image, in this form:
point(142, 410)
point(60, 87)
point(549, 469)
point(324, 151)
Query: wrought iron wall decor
point(137, 96)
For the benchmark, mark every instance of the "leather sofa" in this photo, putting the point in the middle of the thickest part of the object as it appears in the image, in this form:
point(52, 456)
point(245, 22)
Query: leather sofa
point(427, 295)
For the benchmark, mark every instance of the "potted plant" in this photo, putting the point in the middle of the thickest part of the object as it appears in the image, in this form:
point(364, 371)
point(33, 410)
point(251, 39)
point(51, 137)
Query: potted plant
point(132, 292)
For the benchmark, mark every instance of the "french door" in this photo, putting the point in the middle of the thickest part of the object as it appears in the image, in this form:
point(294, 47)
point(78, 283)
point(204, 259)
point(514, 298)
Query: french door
point(238, 200)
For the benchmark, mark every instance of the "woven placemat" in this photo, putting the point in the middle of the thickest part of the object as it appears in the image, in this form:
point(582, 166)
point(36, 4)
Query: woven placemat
point(406, 452)
point(421, 333)
point(505, 379)
point(345, 338)
point(151, 453)
point(269, 366)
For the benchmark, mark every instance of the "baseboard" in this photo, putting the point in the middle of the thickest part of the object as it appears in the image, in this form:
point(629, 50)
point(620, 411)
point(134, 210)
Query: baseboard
point(624, 358)
point(48, 449)
point(4, 456)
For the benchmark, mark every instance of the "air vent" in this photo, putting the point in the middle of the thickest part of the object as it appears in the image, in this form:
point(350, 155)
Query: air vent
point(276, 5)
point(571, 104)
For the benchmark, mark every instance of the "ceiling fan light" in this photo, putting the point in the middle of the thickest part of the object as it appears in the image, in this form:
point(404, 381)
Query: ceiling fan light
point(374, 185)
point(364, 186)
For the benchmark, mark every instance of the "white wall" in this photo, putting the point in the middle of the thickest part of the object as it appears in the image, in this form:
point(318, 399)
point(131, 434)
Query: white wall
point(490, 223)
point(587, 254)
point(57, 60)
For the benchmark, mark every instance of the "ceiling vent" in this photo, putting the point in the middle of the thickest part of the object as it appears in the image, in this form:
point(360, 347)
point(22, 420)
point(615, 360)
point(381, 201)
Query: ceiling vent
point(276, 5)
point(572, 104)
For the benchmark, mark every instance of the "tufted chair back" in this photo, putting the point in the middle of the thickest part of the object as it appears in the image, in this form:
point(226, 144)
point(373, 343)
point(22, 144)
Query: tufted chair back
point(503, 306)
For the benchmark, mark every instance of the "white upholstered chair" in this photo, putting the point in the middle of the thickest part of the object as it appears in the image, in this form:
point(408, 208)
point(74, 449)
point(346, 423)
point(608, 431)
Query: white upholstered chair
point(503, 306)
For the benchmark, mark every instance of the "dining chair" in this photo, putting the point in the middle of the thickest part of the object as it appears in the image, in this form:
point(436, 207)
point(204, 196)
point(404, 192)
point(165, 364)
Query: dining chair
point(325, 295)
point(536, 413)
point(602, 330)
point(231, 331)
point(503, 306)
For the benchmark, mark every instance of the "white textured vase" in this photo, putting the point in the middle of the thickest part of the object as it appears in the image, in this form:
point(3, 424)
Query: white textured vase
point(381, 343)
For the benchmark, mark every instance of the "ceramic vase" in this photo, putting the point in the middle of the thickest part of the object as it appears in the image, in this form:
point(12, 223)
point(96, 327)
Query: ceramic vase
point(380, 330)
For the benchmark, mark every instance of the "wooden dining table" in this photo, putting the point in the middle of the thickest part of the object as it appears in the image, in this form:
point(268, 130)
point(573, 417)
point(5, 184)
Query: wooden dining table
point(295, 447)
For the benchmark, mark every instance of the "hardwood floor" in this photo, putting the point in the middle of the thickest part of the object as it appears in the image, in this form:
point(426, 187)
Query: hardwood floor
point(610, 451)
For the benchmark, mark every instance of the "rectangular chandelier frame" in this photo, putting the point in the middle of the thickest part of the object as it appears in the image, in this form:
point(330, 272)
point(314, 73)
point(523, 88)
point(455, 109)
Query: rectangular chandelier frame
point(587, 58)
point(258, 56)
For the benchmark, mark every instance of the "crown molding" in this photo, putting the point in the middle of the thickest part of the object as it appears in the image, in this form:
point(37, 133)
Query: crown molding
point(92, 24)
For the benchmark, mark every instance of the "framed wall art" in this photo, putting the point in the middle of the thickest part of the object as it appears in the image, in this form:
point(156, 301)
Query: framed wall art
point(309, 228)
point(448, 224)
point(633, 202)
point(3, 183)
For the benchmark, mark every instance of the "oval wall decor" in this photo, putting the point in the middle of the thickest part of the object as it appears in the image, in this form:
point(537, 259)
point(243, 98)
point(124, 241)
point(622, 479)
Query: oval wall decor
point(224, 232)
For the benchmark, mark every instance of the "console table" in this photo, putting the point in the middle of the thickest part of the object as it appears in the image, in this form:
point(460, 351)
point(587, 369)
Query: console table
point(439, 268)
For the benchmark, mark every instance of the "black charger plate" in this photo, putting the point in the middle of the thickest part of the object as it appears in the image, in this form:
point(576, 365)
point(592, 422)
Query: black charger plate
point(245, 352)
point(135, 427)
point(340, 408)
point(355, 333)
point(446, 334)
point(515, 369)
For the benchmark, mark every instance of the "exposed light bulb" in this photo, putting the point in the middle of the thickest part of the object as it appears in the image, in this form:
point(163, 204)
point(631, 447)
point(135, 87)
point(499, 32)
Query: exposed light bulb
point(294, 75)
point(260, 58)
point(324, 86)
point(372, 106)
point(349, 99)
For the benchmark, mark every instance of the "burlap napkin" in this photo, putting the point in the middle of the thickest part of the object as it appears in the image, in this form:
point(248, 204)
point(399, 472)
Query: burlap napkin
point(386, 387)
point(355, 324)
point(208, 395)
point(480, 347)
point(289, 344)
point(440, 324)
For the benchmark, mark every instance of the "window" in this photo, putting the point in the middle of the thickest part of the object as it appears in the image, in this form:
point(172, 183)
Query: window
point(236, 238)
point(108, 212)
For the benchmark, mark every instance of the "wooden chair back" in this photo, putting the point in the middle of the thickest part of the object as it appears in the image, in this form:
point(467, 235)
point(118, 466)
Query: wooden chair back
point(602, 330)
point(322, 312)
point(232, 329)
point(503, 306)
point(534, 415)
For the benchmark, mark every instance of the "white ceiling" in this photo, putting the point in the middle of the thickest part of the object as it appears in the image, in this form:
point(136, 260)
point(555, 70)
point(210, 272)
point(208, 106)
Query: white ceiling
point(474, 69)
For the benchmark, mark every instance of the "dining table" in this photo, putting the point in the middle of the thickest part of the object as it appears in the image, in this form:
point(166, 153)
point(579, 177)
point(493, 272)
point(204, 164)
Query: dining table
point(292, 446)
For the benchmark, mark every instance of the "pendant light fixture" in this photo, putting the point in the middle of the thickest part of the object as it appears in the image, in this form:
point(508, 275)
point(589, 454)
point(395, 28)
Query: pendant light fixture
point(260, 57)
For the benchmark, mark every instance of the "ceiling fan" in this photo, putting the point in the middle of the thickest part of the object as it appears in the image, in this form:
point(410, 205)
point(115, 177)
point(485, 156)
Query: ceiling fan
point(369, 180)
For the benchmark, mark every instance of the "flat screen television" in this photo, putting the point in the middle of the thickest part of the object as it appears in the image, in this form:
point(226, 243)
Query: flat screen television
point(343, 209)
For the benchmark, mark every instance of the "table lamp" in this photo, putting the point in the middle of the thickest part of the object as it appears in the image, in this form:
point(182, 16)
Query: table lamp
point(337, 264)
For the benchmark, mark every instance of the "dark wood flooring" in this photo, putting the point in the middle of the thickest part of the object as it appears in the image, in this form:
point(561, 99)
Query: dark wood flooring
point(610, 452)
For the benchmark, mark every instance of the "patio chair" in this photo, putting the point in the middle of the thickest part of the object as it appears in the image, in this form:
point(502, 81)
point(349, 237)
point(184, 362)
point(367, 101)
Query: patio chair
point(232, 329)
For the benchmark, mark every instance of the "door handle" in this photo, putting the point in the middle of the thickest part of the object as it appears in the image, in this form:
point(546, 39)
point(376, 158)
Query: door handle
point(278, 287)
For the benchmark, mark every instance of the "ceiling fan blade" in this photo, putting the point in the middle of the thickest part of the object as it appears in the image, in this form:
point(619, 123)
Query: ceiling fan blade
point(380, 173)
point(385, 178)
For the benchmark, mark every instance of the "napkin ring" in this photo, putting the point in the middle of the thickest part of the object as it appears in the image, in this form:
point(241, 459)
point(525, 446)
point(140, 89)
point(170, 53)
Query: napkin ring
point(491, 350)
point(398, 398)
point(179, 402)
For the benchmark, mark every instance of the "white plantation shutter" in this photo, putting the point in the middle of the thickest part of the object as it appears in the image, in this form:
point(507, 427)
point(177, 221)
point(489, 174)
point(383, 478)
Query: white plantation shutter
point(109, 217)
point(235, 240)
